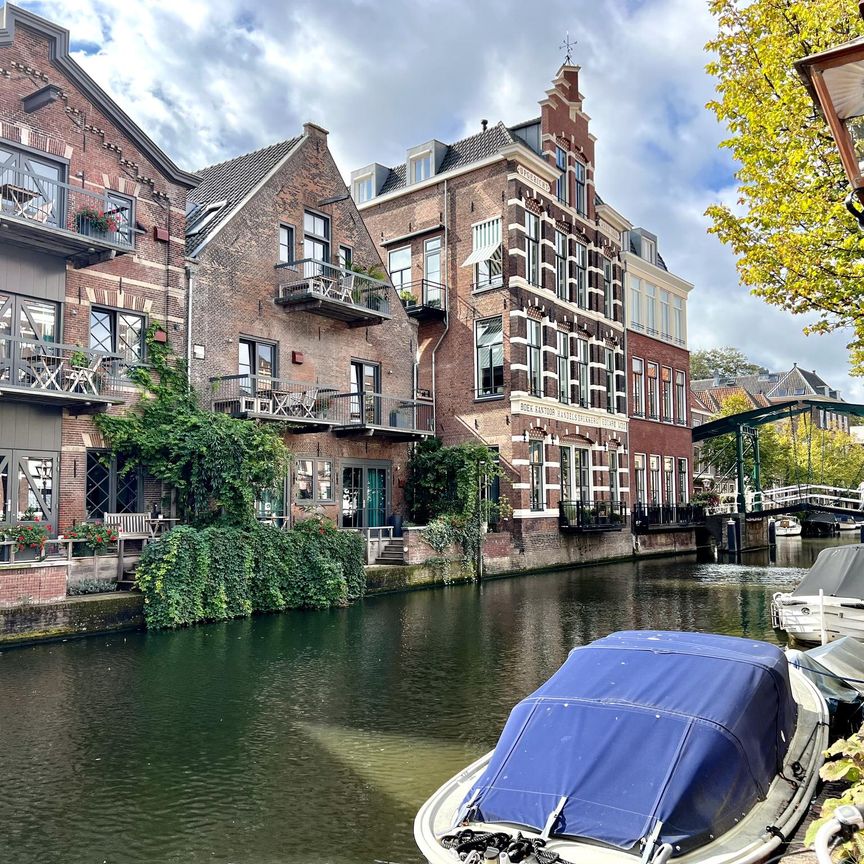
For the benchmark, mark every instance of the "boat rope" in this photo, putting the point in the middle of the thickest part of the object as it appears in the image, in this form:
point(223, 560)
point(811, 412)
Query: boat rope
point(467, 843)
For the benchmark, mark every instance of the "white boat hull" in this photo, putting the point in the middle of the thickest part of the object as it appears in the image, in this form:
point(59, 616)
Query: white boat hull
point(792, 531)
point(748, 842)
point(804, 618)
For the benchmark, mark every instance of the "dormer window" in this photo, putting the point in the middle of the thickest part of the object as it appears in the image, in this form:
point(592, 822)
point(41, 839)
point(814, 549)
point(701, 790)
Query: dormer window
point(200, 219)
point(421, 167)
point(649, 250)
point(363, 189)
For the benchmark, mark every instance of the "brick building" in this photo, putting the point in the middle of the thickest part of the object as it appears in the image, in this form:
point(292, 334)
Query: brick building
point(658, 363)
point(288, 326)
point(91, 254)
point(510, 263)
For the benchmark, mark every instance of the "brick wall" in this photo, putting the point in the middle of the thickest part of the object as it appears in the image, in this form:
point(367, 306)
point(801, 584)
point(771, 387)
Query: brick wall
point(35, 583)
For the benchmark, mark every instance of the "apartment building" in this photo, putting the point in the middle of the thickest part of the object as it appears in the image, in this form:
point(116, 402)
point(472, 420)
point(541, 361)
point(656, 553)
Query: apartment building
point(91, 254)
point(293, 322)
point(658, 363)
point(510, 263)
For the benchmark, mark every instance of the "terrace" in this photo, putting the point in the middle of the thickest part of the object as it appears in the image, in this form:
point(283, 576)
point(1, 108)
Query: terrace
point(580, 517)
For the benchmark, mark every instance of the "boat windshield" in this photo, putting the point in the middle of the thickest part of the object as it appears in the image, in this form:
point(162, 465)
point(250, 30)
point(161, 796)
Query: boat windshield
point(838, 571)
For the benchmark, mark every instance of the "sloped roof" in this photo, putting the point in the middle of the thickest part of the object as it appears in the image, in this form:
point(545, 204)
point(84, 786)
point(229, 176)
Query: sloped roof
point(474, 148)
point(696, 403)
point(231, 181)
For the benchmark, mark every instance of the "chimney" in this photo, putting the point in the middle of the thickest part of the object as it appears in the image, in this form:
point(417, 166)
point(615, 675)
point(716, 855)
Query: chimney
point(313, 130)
point(716, 379)
point(484, 124)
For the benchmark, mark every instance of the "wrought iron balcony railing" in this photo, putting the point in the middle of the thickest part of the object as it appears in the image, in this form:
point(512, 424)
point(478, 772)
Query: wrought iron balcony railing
point(51, 203)
point(388, 413)
point(578, 516)
point(647, 517)
point(427, 298)
point(54, 372)
point(321, 280)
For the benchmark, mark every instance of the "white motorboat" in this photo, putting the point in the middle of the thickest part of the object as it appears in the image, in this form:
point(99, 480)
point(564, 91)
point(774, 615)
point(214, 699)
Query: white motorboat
point(787, 526)
point(651, 744)
point(829, 602)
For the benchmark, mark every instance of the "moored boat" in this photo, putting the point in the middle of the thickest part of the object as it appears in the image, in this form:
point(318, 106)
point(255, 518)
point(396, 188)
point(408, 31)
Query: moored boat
point(829, 602)
point(787, 526)
point(658, 744)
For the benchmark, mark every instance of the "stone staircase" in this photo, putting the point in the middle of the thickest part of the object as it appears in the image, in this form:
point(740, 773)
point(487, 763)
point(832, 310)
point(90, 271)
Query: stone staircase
point(129, 582)
point(391, 553)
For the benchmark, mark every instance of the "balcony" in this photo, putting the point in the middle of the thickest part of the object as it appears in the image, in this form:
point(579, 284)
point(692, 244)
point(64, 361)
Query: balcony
point(307, 407)
point(666, 517)
point(588, 517)
point(424, 300)
point(368, 414)
point(60, 219)
point(63, 375)
point(302, 405)
point(333, 292)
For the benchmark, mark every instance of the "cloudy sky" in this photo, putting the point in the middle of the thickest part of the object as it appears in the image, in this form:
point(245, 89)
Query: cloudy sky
point(209, 79)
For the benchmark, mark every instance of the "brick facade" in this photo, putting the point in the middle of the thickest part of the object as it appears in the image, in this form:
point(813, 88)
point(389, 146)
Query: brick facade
point(532, 415)
point(233, 294)
point(98, 149)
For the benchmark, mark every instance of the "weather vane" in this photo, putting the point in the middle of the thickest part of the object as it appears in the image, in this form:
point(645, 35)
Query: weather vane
point(567, 46)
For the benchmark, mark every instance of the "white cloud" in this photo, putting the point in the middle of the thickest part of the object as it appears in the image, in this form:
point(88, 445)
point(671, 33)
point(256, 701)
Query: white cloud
point(212, 78)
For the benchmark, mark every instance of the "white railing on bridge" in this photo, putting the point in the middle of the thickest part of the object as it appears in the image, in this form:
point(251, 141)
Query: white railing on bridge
point(792, 497)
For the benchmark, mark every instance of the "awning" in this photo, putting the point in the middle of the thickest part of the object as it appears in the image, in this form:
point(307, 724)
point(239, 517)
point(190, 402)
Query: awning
point(484, 253)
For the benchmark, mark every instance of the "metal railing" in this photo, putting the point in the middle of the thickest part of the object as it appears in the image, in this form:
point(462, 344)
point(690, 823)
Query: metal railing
point(54, 204)
point(424, 292)
point(386, 412)
point(592, 515)
point(331, 282)
point(48, 367)
point(647, 516)
point(276, 397)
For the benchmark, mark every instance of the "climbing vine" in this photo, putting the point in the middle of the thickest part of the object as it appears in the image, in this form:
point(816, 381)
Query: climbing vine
point(216, 464)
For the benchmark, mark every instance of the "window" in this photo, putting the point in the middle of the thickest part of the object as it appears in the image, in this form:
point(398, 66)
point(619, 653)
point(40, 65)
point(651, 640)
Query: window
point(563, 367)
point(29, 189)
point(683, 482)
point(286, 244)
point(650, 309)
point(649, 250)
point(109, 487)
point(365, 405)
point(638, 396)
point(256, 361)
point(653, 393)
point(668, 480)
point(120, 209)
point(535, 357)
point(614, 486)
point(581, 201)
point(432, 288)
point(313, 480)
point(421, 167)
point(664, 314)
point(608, 291)
point(565, 460)
point(681, 398)
point(316, 237)
point(666, 389)
point(200, 218)
point(363, 189)
point(639, 472)
point(399, 265)
point(532, 248)
point(346, 257)
point(536, 469)
point(561, 286)
point(582, 376)
point(635, 302)
point(581, 276)
point(486, 256)
point(610, 381)
point(562, 185)
point(113, 331)
point(678, 320)
point(489, 350)
point(654, 477)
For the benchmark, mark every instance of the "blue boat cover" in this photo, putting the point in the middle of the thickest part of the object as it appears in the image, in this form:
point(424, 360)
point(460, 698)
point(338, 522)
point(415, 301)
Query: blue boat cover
point(685, 728)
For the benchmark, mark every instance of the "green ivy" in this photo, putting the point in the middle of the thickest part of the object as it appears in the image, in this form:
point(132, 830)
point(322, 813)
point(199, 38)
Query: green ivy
point(213, 574)
point(216, 464)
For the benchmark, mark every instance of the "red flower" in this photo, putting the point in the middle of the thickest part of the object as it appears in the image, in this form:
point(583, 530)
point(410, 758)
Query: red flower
point(20, 538)
point(98, 539)
point(48, 528)
point(32, 545)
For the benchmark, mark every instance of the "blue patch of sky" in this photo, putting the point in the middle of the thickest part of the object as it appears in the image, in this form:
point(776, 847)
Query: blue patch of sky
point(84, 47)
point(245, 20)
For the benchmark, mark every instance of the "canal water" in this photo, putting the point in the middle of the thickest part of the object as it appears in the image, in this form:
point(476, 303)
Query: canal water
point(314, 736)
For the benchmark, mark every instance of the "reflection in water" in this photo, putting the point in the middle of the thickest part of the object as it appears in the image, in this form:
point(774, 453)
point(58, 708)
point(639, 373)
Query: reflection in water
point(314, 736)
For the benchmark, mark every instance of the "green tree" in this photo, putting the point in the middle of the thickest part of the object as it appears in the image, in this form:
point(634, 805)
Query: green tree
point(217, 465)
point(797, 247)
point(726, 361)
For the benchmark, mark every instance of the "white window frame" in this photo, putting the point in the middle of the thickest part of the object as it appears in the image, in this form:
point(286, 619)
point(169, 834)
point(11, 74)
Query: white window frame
point(581, 200)
point(364, 189)
point(581, 298)
point(561, 282)
point(638, 388)
point(424, 160)
point(533, 249)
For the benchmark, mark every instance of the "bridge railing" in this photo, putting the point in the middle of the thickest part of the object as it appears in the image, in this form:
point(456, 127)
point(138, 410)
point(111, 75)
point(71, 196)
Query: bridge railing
point(799, 496)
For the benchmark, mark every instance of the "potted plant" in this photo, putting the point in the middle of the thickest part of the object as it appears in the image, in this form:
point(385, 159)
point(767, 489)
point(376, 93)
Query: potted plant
point(407, 297)
point(78, 358)
point(93, 222)
point(29, 540)
point(95, 537)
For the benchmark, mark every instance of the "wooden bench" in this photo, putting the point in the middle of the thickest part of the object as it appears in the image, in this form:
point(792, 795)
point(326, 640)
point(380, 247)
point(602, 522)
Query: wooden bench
point(130, 526)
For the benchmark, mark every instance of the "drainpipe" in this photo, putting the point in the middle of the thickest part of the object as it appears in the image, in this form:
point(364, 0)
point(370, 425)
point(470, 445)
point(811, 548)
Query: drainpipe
point(188, 270)
point(447, 305)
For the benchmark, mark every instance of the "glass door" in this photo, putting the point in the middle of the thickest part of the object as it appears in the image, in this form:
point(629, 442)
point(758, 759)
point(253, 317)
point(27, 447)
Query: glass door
point(365, 397)
point(376, 497)
point(432, 273)
point(352, 493)
point(365, 496)
point(27, 327)
point(5, 487)
point(34, 487)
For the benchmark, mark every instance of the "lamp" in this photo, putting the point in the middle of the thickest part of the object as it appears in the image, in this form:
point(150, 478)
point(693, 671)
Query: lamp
point(835, 81)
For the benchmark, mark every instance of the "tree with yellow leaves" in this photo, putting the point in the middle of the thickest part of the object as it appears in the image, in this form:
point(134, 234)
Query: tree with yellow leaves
point(797, 246)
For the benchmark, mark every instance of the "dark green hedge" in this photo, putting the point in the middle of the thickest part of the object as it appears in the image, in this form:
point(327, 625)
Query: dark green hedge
point(191, 575)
